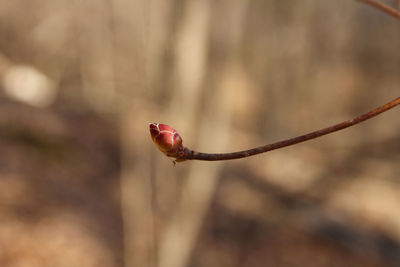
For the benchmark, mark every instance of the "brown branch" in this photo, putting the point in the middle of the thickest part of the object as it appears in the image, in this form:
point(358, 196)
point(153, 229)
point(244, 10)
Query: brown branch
point(193, 155)
point(170, 143)
point(387, 9)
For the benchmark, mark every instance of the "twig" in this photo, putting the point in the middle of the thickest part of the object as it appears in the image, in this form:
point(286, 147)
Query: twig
point(170, 143)
point(389, 10)
point(194, 155)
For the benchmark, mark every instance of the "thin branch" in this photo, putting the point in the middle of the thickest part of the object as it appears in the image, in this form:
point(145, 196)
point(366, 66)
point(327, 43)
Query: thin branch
point(385, 8)
point(193, 155)
point(170, 143)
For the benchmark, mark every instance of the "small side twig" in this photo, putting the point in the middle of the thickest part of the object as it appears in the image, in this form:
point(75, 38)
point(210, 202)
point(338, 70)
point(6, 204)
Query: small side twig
point(194, 155)
point(385, 8)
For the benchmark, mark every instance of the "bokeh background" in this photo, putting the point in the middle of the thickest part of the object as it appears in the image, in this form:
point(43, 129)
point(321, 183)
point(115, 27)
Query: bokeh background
point(81, 183)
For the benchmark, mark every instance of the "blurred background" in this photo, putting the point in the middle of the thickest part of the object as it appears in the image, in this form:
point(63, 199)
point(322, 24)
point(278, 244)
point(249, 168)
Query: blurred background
point(81, 183)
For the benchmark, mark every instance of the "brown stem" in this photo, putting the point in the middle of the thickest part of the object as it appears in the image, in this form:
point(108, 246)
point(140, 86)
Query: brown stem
point(389, 10)
point(194, 155)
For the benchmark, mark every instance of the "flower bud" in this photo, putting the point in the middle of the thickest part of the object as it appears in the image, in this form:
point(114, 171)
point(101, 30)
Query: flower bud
point(167, 140)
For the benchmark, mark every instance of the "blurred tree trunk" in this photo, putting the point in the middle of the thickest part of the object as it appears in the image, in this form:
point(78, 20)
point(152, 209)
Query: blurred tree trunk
point(201, 103)
point(130, 53)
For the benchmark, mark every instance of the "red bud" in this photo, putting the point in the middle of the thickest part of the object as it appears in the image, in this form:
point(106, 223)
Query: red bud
point(167, 139)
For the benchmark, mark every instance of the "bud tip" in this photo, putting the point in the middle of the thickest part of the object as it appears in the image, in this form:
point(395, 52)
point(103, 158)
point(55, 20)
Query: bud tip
point(167, 139)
